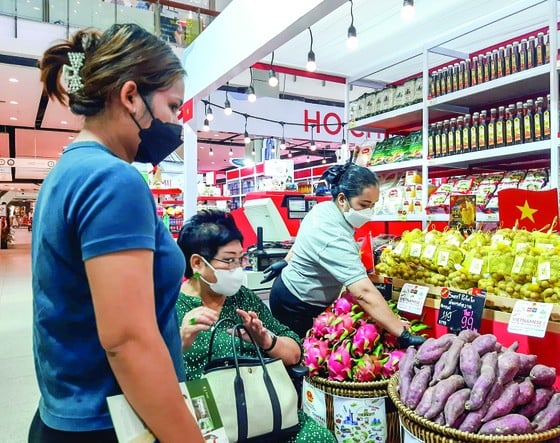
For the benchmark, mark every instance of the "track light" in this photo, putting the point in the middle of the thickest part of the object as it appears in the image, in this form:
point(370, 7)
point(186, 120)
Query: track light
point(407, 11)
point(206, 125)
point(272, 79)
point(251, 96)
point(209, 113)
point(352, 40)
point(311, 65)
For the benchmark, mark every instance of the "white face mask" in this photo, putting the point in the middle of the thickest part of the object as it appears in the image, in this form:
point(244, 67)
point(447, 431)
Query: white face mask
point(358, 218)
point(228, 282)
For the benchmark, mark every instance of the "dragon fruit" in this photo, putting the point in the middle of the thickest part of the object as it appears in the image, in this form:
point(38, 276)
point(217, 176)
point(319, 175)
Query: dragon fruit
point(339, 363)
point(365, 339)
point(367, 368)
point(315, 354)
point(343, 305)
point(391, 364)
point(343, 326)
point(322, 323)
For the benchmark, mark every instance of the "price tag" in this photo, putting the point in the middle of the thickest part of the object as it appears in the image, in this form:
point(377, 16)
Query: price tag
point(543, 270)
point(453, 241)
point(517, 264)
point(520, 246)
point(544, 246)
point(412, 298)
point(476, 266)
point(415, 249)
point(459, 310)
point(429, 251)
point(386, 288)
point(529, 318)
point(398, 250)
point(443, 258)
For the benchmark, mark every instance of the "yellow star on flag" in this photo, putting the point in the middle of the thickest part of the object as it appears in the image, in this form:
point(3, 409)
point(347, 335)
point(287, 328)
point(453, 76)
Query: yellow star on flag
point(527, 211)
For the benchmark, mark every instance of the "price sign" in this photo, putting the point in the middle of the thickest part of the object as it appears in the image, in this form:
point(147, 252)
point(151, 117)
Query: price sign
point(386, 288)
point(529, 318)
point(459, 310)
point(412, 298)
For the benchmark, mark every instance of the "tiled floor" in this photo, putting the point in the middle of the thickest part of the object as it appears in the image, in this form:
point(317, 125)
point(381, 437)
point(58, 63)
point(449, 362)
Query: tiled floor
point(19, 393)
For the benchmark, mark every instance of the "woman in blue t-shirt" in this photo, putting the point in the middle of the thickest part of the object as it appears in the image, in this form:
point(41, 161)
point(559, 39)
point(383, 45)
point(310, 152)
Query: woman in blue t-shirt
point(106, 272)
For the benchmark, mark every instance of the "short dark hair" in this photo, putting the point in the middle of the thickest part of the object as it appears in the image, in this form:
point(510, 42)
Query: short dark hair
point(350, 179)
point(205, 233)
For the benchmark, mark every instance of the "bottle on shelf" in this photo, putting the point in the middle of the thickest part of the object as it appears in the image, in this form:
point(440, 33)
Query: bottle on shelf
point(494, 64)
point(461, 75)
point(487, 66)
point(438, 83)
point(444, 138)
point(431, 147)
point(546, 119)
point(433, 81)
point(540, 49)
point(482, 132)
point(523, 54)
point(437, 140)
point(492, 129)
point(449, 81)
point(528, 122)
point(459, 135)
point(507, 59)
point(467, 74)
point(515, 57)
point(538, 119)
point(480, 69)
point(467, 133)
point(474, 71)
point(547, 48)
point(474, 132)
point(518, 124)
point(509, 125)
point(500, 63)
point(531, 62)
point(451, 137)
point(501, 127)
point(455, 78)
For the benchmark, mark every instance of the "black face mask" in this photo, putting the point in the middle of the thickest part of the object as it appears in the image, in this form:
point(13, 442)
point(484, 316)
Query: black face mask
point(157, 141)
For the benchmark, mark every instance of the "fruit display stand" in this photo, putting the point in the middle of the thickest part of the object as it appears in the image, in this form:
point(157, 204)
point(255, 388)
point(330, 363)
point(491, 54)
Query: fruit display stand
point(495, 318)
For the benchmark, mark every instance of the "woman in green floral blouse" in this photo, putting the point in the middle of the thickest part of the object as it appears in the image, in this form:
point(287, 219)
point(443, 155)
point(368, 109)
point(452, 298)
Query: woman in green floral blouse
point(212, 245)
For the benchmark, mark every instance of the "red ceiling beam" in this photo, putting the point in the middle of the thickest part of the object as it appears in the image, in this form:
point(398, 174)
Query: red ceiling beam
point(299, 72)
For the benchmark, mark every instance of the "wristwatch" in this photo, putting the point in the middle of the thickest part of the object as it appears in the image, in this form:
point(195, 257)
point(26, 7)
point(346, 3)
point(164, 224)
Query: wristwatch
point(274, 338)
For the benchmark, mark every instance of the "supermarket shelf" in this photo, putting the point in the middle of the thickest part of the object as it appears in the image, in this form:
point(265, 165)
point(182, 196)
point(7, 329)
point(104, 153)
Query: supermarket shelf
point(397, 118)
point(214, 198)
point(501, 89)
point(506, 152)
point(172, 202)
point(166, 191)
point(437, 217)
point(397, 218)
point(397, 166)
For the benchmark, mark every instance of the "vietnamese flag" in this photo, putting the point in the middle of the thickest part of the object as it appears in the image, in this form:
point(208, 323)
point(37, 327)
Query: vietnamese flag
point(532, 210)
point(366, 253)
point(186, 111)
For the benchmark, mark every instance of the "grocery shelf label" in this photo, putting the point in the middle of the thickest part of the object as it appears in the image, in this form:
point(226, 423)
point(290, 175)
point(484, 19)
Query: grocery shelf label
point(443, 258)
point(415, 249)
point(412, 298)
point(398, 250)
point(460, 310)
point(520, 246)
point(543, 270)
point(517, 264)
point(544, 246)
point(429, 251)
point(529, 318)
point(476, 266)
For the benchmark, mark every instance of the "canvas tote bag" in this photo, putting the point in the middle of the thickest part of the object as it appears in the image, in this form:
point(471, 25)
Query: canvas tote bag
point(256, 398)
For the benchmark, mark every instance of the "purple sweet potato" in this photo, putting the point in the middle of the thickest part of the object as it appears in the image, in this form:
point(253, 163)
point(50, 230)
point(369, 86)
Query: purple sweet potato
point(507, 425)
point(469, 363)
point(440, 419)
point(548, 417)
point(430, 351)
point(543, 376)
point(455, 406)
point(485, 343)
point(406, 370)
point(418, 385)
point(526, 363)
point(438, 367)
point(468, 335)
point(451, 359)
point(473, 419)
point(514, 346)
point(542, 397)
point(526, 392)
point(504, 404)
point(442, 392)
point(508, 365)
point(425, 401)
point(484, 382)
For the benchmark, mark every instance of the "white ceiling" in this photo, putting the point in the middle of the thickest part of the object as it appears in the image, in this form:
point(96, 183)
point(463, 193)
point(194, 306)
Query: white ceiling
point(384, 40)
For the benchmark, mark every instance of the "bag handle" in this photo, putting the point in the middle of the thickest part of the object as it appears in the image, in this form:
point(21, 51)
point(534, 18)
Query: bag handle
point(214, 329)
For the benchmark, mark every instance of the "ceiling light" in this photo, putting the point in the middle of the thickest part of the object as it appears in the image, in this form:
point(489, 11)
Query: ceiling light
point(246, 138)
point(211, 152)
point(253, 151)
point(206, 125)
point(251, 96)
point(352, 40)
point(311, 65)
point(307, 158)
point(313, 146)
point(343, 145)
point(13, 102)
point(324, 160)
point(407, 11)
point(283, 141)
point(13, 118)
point(230, 152)
point(227, 106)
point(272, 79)
point(290, 153)
point(209, 113)
point(13, 80)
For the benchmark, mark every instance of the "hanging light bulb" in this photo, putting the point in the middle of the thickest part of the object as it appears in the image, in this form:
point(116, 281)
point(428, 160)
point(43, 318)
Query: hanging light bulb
point(343, 144)
point(209, 113)
point(324, 160)
point(311, 65)
point(283, 141)
point(206, 125)
point(251, 96)
point(253, 151)
point(290, 153)
point(407, 11)
point(211, 152)
point(307, 158)
point(313, 146)
point(246, 137)
point(272, 79)
point(227, 107)
point(352, 40)
point(230, 152)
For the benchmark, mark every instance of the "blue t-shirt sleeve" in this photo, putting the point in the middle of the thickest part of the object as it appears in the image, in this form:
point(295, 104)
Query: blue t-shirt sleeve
point(105, 218)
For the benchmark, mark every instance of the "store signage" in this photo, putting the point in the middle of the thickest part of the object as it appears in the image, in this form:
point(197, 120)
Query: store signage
point(412, 298)
point(529, 318)
point(386, 288)
point(27, 162)
point(459, 310)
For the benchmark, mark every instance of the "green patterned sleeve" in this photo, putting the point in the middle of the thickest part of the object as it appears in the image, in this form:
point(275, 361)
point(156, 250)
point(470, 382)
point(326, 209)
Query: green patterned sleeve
point(253, 303)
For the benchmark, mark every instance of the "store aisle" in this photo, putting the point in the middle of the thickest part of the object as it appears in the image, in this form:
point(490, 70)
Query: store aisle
point(19, 393)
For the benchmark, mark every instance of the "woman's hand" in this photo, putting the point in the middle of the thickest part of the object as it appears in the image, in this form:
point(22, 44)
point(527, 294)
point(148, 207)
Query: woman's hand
point(256, 328)
point(194, 321)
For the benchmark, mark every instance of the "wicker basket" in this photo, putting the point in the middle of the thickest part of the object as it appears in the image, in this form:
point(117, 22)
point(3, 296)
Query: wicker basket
point(431, 432)
point(350, 389)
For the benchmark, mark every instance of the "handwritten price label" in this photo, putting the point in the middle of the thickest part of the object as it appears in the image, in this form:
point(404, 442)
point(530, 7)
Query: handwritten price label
point(459, 310)
point(412, 298)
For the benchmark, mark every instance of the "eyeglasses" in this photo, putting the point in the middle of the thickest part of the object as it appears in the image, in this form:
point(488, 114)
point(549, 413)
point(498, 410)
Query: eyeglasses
point(232, 262)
